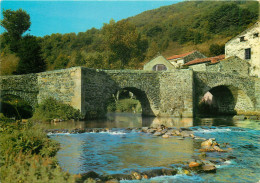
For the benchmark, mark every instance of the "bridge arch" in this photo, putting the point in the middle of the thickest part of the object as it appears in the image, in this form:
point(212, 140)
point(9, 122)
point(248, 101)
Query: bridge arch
point(141, 96)
point(15, 106)
point(30, 98)
point(224, 99)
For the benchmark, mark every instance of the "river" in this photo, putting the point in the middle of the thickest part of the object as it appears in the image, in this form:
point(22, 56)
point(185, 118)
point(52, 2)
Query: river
point(120, 151)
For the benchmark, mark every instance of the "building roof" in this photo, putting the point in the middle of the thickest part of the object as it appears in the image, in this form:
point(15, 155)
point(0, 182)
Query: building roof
point(212, 60)
point(180, 56)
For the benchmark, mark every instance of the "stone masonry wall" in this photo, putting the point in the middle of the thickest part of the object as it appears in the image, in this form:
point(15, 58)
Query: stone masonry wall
point(144, 84)
point(63, 85)
point(176, 93)
point(231, 65)
point(97, 88)
point(160, 93)
point(25, 87)
point(242, 89)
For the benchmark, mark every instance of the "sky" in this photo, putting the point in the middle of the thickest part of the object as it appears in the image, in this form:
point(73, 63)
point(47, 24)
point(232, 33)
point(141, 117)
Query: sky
point(49, 17)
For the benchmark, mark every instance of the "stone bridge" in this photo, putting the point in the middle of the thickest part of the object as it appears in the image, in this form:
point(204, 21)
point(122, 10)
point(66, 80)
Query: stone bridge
point(176, 93)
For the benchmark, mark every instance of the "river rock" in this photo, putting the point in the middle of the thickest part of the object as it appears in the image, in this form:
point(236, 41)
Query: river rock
point(136, 175)
point(180, 138)
point(177, 132)
point(209, 168)
point(157, 134)
point(192, 136)
point(144, 129)
point(90, 174)
point(165, 136)
point(185, 133)
point(145, 176)
point(218, 149)
point(120, 177)
point(160, 172)
point(150, 130)
point(112, 181)
point(207, 143)
point(164, 131)
point(194, 164)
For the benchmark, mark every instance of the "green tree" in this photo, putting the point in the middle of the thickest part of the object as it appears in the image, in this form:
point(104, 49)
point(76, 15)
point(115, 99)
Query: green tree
point(30, 58)
point(123, 39)
point(216, 49)
point(16, 23)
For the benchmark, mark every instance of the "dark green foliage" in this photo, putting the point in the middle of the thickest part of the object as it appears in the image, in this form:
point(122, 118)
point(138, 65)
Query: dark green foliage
point(16, 23)
point(30, 59)
point(125, 105)
point(50, 109)
point(228, 18)
point(25, 138)
point(27, 155)
point(216, 49)
point(12, 106)
point(131, 42)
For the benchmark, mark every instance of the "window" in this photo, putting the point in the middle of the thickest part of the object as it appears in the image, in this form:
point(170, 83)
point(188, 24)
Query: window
point(256, 34)
point(159, 67)
point(242, 38)
point(248, 53)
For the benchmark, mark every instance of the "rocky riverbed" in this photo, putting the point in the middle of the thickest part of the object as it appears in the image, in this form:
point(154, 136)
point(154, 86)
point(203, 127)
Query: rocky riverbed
point(209, 154)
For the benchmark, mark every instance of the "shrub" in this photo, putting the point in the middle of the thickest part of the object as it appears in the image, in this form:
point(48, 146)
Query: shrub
point(27, 155)
point(50, 109)
point(125, 105)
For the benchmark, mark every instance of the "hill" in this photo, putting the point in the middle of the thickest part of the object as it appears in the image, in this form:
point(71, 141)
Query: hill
point(129, 43)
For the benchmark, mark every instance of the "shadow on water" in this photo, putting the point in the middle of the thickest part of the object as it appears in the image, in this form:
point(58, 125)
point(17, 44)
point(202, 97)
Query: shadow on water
point(130, 120)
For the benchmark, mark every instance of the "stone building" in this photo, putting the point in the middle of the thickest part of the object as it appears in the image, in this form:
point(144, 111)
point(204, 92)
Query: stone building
point(160, 63)
point(201, 64)
point(179, 60)
point(230, 65)
point(247, 46)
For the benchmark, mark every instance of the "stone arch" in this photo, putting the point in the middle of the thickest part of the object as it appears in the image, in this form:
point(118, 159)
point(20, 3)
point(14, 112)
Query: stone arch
point(227, 99)
point(30, 98)
point(12, 104)
point(141, 96)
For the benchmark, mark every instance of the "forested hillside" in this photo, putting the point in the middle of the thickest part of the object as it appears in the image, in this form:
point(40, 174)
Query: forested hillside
point(129, 43)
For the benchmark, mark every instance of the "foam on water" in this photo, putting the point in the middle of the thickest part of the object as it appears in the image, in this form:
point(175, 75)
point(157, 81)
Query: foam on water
point(179, 178)
point(217, 130)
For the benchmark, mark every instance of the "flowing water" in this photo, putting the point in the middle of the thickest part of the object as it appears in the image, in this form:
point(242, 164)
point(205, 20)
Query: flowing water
point(121, 151)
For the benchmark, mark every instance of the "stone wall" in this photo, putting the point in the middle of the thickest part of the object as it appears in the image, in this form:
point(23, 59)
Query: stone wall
point(145, 85)
point(160, 93)
point(199, 67)
point(97, 88)
point(193, 56)
point(176, 93)
point(231, 65)
point(235, 47)
point(242, 89)
point(63, 85)
point(25, 87)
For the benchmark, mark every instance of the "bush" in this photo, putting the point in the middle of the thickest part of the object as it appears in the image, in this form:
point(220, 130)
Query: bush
point(50, 109)
point(125, 105)
point(27, 155)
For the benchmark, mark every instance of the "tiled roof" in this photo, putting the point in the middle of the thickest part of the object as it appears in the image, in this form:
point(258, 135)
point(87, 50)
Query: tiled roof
point(180, 56)
point(212, 60)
